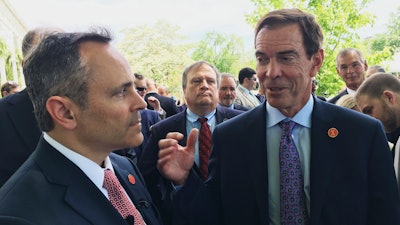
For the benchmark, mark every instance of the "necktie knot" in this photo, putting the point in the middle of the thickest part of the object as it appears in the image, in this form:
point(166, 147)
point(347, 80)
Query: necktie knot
point(202, 120)
point(287, 127)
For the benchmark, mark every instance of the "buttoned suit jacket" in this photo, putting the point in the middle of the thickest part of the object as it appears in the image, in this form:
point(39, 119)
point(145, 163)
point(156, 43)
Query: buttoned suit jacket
point(334, 99)
point(159, 188)
point(352, 179)
point(49, 189)
point(19, 133)
point(168, 104)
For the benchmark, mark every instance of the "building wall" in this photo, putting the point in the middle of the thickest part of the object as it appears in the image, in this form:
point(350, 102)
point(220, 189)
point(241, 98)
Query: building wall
point(12, 31)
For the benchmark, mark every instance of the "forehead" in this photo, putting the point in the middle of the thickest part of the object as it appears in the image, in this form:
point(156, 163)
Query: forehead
point(106, 65)
point(279, 38)
point(227, 81)
point(203, 70)
point(349, 57)
point(140, 83)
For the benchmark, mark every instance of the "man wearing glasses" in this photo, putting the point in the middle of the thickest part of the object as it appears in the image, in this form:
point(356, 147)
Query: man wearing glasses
point(247, 83)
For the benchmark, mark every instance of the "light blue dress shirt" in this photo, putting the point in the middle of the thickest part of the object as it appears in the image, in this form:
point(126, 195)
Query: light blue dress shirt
point(302, 138)
point(191, 122)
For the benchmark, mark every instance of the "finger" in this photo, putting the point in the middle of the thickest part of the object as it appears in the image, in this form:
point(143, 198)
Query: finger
point(174, 135)
point(191, 141)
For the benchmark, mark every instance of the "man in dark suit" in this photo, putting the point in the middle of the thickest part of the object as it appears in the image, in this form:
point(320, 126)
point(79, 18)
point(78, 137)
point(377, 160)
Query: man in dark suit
point(168, 104)
point(84, 114)
point(19, 132)
point(343, 167)
point(200, 88)
point(351, 67)
point(227, 92)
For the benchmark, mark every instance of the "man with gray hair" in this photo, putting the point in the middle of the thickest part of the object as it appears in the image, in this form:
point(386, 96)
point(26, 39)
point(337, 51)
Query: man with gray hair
point(351, 67)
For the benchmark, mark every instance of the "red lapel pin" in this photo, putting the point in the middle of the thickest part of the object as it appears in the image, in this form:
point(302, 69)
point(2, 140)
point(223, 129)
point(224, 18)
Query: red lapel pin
point(131, 179)
point(333, 132)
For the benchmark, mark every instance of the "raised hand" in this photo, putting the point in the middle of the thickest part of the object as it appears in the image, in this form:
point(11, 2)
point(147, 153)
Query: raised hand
point(175, 161)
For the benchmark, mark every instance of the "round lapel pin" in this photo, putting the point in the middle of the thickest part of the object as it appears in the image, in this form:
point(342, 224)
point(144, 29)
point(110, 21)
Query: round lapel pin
point(131, 179)
point(333, 132)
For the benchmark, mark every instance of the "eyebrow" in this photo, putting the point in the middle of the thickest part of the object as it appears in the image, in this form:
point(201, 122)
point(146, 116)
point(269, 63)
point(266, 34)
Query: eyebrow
point(123, 85)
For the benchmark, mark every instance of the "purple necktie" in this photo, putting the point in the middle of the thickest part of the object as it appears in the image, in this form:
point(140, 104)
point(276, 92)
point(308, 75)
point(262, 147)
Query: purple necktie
point(293, 205)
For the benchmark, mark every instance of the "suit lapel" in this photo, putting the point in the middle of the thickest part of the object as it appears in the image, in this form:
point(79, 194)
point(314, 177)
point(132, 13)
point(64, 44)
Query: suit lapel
point(80, 192)
point(256, 157)
point(322, 155)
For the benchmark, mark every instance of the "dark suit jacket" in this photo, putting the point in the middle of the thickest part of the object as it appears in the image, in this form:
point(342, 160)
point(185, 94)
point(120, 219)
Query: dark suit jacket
point(352, 176)
point(159, 188)
point(49, 189)
point(19, 133)
point(334, 99)
point(240, 107)
point(149, 118)
point(168, 104)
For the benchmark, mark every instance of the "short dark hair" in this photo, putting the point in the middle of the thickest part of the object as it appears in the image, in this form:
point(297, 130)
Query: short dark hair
point(55, 68)
point(312, 33)
point(375, 85)
point(8, 86)
point(246, 72)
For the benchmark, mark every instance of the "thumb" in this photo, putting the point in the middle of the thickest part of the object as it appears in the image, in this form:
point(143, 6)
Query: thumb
point(191, 140)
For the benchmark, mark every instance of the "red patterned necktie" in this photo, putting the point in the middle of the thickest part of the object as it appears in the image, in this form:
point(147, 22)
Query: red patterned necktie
point(293, 204)
point(119, 198)
point(204, 147)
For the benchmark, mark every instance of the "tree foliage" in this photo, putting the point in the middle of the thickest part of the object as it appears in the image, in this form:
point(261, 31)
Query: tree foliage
point(385, 45)
point(158, 52)
point(223, 51)
point(340, 21)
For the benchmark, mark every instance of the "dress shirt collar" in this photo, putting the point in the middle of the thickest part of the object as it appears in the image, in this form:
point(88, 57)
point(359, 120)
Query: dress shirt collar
point(192, 117)
point(230, 107)
point(303, 117)
point(90, 168)
point(350, 91)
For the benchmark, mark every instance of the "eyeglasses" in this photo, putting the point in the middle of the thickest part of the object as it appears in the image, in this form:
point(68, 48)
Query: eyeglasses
point(141, 89)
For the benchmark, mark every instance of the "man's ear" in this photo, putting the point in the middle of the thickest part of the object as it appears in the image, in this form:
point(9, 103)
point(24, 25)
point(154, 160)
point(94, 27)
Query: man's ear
point(61, 110)
point(317, 60)
point(389, 96)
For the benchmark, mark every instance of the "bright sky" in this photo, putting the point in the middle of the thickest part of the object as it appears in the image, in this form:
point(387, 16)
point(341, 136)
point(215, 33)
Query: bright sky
point(194, 17)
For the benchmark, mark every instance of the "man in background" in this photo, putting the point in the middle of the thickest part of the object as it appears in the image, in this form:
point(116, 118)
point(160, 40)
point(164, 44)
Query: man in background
point(351, 67)
point(379, 96)
point(247, 83)
point(168, 104)
point(19, 132)
point(227, 92)
point(200, 82)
